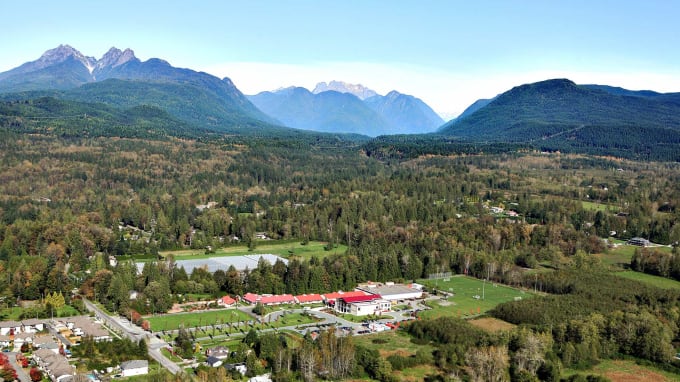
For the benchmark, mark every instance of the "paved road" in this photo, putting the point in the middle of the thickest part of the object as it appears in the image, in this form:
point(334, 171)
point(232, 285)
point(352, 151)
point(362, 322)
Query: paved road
point(125, 328)
point(21, 374)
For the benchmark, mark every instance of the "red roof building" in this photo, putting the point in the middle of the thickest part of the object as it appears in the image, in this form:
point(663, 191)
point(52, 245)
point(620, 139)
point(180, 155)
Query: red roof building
point(277, 299)
point(363, 305)
point(226, 301)
point(331, 297)
point(365, 298)
point(251, 298)
point(308, 298)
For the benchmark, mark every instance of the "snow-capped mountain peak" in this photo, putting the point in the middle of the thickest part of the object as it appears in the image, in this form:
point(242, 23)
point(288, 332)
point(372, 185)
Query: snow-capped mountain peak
point(358, 90)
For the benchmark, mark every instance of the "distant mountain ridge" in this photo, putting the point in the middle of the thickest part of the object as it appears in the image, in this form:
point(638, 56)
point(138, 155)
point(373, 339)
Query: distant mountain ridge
point(560, 115)
point(119, 78)
point(358, 90)
point(343, 111)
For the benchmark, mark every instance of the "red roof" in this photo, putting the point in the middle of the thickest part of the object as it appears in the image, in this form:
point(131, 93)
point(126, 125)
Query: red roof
point(277, 299)
point(251, 297)
point(337, 295)
point(352, 299)
point(227, 300)
point(304, 298)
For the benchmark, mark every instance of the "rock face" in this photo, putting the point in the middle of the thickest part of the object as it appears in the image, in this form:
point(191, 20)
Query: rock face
point(358, 90)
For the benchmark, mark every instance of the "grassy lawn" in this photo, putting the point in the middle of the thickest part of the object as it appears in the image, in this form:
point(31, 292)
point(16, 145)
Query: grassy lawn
point(656, 281)
point(353, 318)
point(593, 206)
point(191, 320)
point(286, 249)
point(471, 297)
point(626, 371)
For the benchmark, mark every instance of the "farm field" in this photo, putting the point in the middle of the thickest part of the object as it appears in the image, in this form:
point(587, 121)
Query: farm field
point(285, 249)
point(492, 325)
point(471, 296)
point(656, 281)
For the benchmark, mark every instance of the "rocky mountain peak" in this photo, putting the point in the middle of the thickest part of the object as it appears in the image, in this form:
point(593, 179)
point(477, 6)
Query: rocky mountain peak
point(61, 54)
point(358, 90)
point(115, 57)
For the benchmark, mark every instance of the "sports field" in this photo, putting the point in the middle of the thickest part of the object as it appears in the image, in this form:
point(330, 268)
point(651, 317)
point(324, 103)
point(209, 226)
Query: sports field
point(471, 296)
point(196, 319)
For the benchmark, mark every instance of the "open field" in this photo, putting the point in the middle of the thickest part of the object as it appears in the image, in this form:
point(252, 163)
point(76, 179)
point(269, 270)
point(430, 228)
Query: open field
point(492, 325)
point(620, 256)
point(656, 281)
point(192, 320)
point(286, 249)
point(471, 296)
point(594, 206)
point(627, 371)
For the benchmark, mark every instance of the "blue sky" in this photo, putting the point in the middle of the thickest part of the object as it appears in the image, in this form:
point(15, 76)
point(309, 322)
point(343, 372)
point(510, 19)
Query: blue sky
point(448, 53)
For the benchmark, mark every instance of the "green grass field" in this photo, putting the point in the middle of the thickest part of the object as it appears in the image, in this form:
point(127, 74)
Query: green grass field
point(593, 206)
point(656, 281)
point(286, 249)
point(192, 320)
point(464, 302)
point(620, 256)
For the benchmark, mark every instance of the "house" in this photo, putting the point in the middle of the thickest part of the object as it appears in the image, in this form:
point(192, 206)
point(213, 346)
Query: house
point(4, 341)
point(213, 362)
point(134, 367)
point(261, 378)
point(54, 364)
point(10, 326)
point(32, 325)
point(240, 367)
point(640, 242)
point(226, 301)
point(308, 298)
point(219, 352)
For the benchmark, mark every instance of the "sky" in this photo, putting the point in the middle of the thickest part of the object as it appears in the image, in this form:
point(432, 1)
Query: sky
point(448, 53)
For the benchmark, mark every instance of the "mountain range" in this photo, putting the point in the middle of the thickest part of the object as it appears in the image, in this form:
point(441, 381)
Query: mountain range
point(121, 91)
point(120, 79)
point(339, 106)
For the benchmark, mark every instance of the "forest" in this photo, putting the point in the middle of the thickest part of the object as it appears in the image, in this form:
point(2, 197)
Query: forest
point(508, 213)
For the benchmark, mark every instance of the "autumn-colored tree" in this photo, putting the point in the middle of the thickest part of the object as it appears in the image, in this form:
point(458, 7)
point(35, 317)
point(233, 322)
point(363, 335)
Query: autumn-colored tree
point(35, 374)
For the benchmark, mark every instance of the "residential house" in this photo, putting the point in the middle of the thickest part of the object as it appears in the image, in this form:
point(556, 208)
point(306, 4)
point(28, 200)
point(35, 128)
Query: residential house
point(9, 326)
point(134, 367)
point(213, 362)
point(226, 301)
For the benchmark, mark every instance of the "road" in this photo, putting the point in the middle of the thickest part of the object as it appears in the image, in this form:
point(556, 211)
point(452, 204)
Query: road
point(21, 374)
point(155, 344)
point(127, 329)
